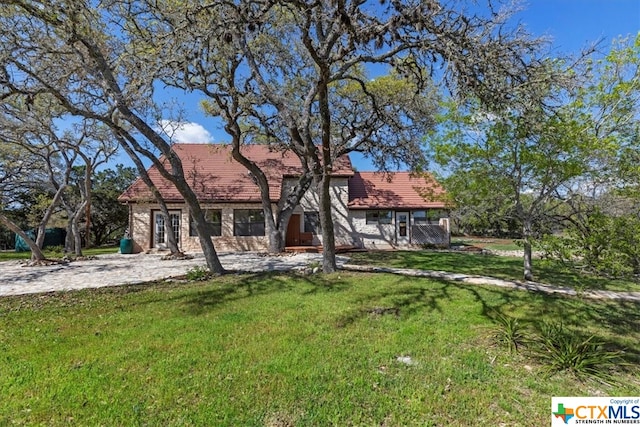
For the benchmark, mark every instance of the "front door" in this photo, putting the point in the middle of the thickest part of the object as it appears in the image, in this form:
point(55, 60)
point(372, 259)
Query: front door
point(159, 230)
point(293, 231)
point(402, 228)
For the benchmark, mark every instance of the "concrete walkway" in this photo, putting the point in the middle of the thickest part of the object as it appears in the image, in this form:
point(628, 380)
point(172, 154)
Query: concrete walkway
point(492, 281)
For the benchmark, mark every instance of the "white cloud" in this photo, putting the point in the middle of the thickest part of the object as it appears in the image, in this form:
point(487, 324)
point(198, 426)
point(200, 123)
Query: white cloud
point(190, 132)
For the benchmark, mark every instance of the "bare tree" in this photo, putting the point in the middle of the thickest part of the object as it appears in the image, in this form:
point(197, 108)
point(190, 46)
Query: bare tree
point(92, 145)
point(29, 135)
point(284, 71)
point(244, 58)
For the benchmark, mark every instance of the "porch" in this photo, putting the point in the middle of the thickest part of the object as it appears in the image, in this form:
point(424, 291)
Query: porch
point(318, 249)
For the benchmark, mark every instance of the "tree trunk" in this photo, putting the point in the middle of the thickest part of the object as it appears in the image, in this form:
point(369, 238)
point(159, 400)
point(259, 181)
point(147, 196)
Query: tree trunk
point(528, 261)
point(324, 190)
point(201, 226)
point(276, 239)
point(42, 227)
point(326, 221)
point(275, 244)
point(77, 237)
point(41, 231)
point(284, 211)
point(175, 174)
point(69, 245)
point(36, 252)
point(87, 208)
point(210, 255)
point(288, 203)
point(273, 233)
point(168, 228)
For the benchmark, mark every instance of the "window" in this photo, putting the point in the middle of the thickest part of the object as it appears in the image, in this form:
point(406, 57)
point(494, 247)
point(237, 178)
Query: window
point(312, 223)
point(248, 222)
point(420, 217)
point(379, 217)
point(213, 217)
point(159, 234)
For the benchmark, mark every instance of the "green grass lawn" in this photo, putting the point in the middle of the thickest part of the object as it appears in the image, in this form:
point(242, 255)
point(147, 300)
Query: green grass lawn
point(13, 255)
point(284, 350)
point(545, 271)
point(487, 243)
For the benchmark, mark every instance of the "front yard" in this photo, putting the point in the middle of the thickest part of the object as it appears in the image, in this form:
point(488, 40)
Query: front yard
point(284, 350)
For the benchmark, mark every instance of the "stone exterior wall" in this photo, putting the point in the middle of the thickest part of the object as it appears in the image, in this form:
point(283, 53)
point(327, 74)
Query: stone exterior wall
point(142, 226)
point(139, 226)
point(350, 226)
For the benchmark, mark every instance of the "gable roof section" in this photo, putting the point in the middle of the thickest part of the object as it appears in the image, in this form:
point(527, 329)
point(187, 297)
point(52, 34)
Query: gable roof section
point(397, 190)
point(215, 176)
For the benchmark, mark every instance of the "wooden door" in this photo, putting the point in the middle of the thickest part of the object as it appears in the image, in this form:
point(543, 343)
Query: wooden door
point(293, 231)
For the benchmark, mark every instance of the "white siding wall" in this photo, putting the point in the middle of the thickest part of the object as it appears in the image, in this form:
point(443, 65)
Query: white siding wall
point(381, 236)
point(371, 236)
point(339, 200)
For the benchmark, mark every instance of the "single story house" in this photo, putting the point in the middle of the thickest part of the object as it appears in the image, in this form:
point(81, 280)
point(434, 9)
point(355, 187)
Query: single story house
point(370, 209)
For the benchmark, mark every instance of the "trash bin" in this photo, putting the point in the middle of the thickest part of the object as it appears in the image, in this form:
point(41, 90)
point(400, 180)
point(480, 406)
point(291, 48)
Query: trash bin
point(126, 246)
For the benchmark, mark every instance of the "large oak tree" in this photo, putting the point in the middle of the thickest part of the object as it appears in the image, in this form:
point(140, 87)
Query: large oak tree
point(296, 73)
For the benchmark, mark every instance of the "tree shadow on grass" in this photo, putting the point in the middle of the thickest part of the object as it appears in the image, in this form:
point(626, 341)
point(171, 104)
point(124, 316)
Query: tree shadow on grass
point(248, 285)
point(616, 324)
point(401, 297)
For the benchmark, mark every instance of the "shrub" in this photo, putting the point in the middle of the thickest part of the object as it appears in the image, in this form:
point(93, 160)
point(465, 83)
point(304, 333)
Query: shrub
point(56, 250)
point(199, 272)
point(563, 350)
point(603, 244)
point(510, 333)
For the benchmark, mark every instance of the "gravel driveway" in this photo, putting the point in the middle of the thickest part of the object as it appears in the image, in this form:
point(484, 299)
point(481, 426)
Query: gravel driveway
point(116, 269)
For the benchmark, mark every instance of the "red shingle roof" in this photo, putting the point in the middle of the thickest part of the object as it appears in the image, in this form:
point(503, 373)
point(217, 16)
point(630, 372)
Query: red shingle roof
point(397, 190)
point(215, 176)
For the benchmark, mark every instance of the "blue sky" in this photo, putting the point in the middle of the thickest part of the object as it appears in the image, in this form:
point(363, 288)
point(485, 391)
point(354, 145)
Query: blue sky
point(574, 24)
point(570, 24)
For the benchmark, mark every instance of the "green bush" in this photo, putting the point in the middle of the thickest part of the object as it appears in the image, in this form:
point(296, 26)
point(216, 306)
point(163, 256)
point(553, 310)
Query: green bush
point(602, 244)
point(199, 272)
point(563, 350)
point(510, 333)
point(56, 250)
